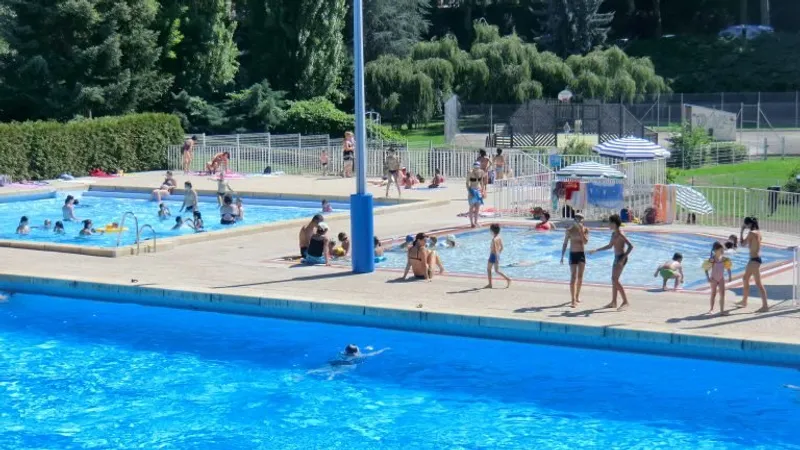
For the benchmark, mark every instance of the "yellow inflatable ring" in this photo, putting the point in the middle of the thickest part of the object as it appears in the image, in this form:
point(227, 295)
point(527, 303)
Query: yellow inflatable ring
point(111, 229)
point(706, 265)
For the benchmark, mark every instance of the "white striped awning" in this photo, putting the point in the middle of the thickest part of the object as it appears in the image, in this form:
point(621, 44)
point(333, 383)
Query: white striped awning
point(590, 169)
point(631, 148)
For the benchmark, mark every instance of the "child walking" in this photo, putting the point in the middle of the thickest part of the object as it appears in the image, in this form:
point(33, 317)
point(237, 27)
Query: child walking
point(715, 268)
point(495, 249)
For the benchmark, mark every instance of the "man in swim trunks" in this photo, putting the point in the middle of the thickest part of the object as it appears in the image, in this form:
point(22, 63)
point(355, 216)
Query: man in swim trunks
point(392, 165)
point(622, 248)
point(495, 249)
point(753, 268)
point(307, 231)
point(577, 236)
point(189, 198)
point(418, 259)
point(671, 269)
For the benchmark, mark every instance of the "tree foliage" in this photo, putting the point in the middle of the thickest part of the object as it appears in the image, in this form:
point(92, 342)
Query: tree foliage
point(392, 27)
point(574, 26)
point(80, 58)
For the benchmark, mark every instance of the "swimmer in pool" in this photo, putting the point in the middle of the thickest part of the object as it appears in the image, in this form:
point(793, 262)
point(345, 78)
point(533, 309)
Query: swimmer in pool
point(434, 260)
point(671, 269)
point(59, 227)
point(163, 211)
point(23, 227)
point(178, 223)
point(525, 263)
point(348, 359)
point(68, 210)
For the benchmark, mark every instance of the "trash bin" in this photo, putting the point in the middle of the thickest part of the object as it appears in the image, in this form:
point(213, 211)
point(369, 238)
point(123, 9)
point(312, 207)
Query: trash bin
point(773, 198)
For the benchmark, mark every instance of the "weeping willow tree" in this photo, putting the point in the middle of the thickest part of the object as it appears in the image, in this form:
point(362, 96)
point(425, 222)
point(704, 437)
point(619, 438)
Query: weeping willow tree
point(499, 69)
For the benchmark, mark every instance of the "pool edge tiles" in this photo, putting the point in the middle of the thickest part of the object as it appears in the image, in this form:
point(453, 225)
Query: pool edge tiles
point(648, 339)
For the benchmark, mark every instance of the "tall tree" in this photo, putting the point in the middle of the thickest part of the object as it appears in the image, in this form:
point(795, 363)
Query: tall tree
point(196, 39)
point(574, 26)
point(296, 44)
point(80, 57)
point(393, 26)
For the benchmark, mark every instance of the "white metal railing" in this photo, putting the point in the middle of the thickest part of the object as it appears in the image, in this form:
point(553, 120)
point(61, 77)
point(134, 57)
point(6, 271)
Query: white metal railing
point(796, 273)
point(517, 196)
point(637, 172)
point(306, 161)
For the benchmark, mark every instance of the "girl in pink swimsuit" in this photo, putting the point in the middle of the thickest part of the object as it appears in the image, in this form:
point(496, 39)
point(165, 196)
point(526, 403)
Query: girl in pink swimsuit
point(715, 268)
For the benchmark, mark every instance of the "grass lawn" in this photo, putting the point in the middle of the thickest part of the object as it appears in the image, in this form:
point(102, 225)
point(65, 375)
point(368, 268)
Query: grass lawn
point(432, 132)
point(759, 174)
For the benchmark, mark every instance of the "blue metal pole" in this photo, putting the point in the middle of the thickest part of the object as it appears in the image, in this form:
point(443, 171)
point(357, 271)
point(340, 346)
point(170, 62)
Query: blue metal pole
point(361, 218)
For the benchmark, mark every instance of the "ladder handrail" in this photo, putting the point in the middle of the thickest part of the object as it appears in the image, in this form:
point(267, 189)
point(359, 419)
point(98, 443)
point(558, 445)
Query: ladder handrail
point(139, 234)
point(122, 226)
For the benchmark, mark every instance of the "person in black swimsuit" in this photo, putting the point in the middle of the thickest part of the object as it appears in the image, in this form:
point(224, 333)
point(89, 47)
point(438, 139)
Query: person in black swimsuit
point(622, 248)
point(318, 251)
point(577, 237)
point(418, 259)
point(348, 157)
point(753, 268)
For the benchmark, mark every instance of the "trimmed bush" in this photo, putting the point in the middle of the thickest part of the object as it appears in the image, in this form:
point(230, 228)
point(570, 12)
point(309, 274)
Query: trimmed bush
point(44, 150)
point(320, 116)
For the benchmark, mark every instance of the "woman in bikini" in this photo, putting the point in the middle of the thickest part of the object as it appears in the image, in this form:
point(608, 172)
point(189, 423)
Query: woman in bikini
point(753, 268)
point(229, 213)
point(474, 195)
point(622, 248)
point(418, 259)
point(219, 160)
point(484, 162)
point(499, 165)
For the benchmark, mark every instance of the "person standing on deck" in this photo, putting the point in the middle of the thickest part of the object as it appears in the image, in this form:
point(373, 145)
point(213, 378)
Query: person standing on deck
point(348, 153)
point(187, 152)
point(577, 236)
point(753, 268)
point(499, 165)
point(392, 165)
point(622, 248)
point(484, 164)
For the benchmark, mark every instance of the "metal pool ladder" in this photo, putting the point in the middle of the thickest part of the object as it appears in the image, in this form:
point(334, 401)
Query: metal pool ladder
point(138, 230)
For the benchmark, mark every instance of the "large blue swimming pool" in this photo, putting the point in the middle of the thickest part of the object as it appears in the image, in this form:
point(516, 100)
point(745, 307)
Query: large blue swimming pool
point(82, 374)
point(104, 209)
point(536, 255)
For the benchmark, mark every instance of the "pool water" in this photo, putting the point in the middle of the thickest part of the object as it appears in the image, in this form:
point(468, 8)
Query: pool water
point(82, 374)
point(540, 254)
point(106, 210)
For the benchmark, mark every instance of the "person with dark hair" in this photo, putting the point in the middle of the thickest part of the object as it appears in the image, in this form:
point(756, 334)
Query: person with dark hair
point(484, 164)
point(219, 160)
point(228, 211)
point(59, 227)
point(715, 268)
point(376, 243)
point(417, 261)
point(318, 251)
point(577, 236)
point(348, 154)
point(68, 210)
point(308, 230)
point(189, 198)
point(188, 153)
point(495, 249)
point(392, 165)
point(499, 165)
point(622, 249)
point(671, 270)
point(753, 268)
point(23, 227)
point(437, 179)
point(474, 193)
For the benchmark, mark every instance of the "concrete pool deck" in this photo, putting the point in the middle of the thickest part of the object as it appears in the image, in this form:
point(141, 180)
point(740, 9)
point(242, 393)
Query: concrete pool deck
point(241, 270)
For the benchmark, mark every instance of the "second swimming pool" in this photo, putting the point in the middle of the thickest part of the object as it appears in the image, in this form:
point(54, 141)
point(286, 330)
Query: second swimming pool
point(536, 255)
point(104, 208)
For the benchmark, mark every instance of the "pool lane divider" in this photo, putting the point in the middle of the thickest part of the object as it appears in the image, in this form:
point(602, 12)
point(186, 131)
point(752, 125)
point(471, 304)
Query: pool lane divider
point(785, 353)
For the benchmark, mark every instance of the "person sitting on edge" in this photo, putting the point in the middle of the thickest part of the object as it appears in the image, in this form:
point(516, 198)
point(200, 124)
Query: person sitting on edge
point(326, 207)
point(437, 180)
point(88, 230)
point(671, 270)
point(163, 211)
point(307, 231)
point(344, 241)
point(318, 251)
point(189, 198)
point(59, 228)
point(417, 260)
point(23, 227)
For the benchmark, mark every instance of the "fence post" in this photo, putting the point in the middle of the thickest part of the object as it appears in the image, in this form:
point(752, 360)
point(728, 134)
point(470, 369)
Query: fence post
point(269, 150)
point(658, 110)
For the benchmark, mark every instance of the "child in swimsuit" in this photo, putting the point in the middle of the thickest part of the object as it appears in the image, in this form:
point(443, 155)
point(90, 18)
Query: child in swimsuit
point(433, 257)
point(715, 268)
point(671, 270)
point(495, 249)
point(163, 211)
point(23, 227)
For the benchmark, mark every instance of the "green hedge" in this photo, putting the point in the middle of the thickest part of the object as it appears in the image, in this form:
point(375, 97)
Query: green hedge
point(44, 150)
point(320, 116)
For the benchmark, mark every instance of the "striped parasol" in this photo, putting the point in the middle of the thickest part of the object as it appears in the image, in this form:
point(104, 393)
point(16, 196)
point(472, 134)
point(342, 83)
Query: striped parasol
point(631, 148)
point(590, 169)
point(692, 200)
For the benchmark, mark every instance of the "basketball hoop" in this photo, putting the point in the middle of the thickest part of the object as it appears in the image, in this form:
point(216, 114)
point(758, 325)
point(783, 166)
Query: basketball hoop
point(565, 96)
